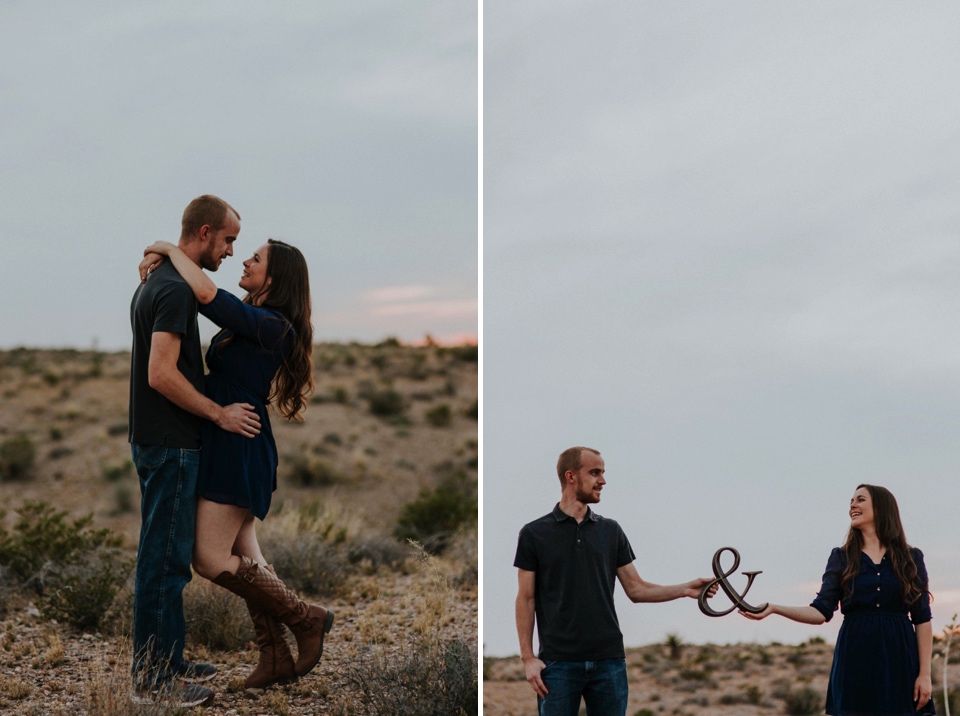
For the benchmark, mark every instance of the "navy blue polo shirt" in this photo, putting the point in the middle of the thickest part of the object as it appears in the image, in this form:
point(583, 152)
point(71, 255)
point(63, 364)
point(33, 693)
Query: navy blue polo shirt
point(576, 568)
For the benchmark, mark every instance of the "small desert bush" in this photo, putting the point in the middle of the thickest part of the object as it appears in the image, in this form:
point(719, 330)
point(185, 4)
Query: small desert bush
point(440, 416)
point(421, 680)
point(749, 694)
point(433, 672)
point(113, 472)
point(14, 689)
point(117, 429)
point(463, 552)
point(674, 645)
point(803, 702)
point(308, 563)
point(8, 591)
point(372, 553)
point(467, 353)
point(473, 411)
point(436, 515)
point(122, 499)
point(386, 403)
point(42, 536)
point(17, 457)
point(310, 546)
point(81, 592)
point(106, 690)
point(74, 570)
point(215, 617)
point(780, 688)
point(312, 471)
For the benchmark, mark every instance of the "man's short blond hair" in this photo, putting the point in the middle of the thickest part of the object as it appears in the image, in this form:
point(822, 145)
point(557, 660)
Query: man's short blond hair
point(206, 210)
point(570, 459)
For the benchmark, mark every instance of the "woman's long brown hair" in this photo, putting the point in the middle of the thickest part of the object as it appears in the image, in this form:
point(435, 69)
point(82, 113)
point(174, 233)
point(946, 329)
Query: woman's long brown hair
point(886, 521)
point(288, 292)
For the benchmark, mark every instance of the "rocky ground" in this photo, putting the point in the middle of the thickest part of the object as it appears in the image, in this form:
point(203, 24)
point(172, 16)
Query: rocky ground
point(50, 670)
point(707, 680)
point(385, 423)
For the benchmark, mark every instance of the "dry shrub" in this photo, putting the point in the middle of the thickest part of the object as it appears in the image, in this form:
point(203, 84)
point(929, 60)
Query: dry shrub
point(17, 457)
point(216, 618)
point(82, 592)
point(13, 689)
point(431, 672)
point(304, 546)
point(438, 514)
point(440, 416)
point(803, 702)
point(463, 552)
point(107, 690)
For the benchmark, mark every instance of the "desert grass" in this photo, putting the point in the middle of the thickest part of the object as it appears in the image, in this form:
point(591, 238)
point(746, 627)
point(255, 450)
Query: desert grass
point(428, 669)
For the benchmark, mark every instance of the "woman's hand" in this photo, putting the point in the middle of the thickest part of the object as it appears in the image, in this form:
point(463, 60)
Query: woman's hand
point(153, 257)
point(760, 615)
point(922, 690)
point(160, 247)
point(149, 263)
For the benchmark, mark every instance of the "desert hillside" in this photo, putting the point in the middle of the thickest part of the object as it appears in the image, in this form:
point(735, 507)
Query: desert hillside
point(387, 451)
point(677, 679)
point(72, 405)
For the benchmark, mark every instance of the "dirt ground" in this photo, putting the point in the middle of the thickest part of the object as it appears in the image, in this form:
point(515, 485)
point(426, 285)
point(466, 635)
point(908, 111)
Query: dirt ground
point(704, 680)
point(360, 466)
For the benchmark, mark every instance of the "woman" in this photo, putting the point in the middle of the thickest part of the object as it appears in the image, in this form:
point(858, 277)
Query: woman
point(881, 664)
point(261, 354)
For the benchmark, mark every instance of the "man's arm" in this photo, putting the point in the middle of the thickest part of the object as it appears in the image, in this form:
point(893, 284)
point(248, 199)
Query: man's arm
point(639, 590)
point(526, 614)
point(166, 379)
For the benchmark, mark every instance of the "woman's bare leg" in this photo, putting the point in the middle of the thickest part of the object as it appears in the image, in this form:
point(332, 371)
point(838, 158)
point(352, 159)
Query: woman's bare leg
point(246, 543)
point(217, 529)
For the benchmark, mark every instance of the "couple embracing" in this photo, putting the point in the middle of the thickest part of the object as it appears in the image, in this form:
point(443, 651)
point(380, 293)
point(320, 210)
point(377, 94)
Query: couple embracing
point(204, 451)
point(568, 562)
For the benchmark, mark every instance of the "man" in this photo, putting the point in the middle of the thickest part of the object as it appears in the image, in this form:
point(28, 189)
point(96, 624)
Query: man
point(567, 561)
point(166, 408)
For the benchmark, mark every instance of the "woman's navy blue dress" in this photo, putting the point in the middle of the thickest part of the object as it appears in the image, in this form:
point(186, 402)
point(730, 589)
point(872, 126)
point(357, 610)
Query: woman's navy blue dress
point(234, 469)
point(875, 662)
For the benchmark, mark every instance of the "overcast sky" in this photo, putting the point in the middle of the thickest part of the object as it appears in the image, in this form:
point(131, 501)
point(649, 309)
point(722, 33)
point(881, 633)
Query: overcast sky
point(722, 246)
point(348, 129)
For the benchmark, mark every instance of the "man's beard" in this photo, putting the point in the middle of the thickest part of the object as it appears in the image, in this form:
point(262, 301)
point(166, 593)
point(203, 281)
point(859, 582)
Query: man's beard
point(210, 261)
point(585, 496)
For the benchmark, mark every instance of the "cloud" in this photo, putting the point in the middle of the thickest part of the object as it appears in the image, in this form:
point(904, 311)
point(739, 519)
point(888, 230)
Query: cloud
point(390, 294)
point(416, 301)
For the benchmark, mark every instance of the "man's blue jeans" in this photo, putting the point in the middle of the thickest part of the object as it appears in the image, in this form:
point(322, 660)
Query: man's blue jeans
point(602, 684)
point(168, 511)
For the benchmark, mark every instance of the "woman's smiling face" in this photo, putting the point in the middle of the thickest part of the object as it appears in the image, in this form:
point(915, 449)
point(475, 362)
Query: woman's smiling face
point(254, 278)
point(861, 508)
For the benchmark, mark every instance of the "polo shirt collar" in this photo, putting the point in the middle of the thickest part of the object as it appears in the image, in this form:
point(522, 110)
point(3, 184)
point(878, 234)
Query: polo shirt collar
point(559, 515)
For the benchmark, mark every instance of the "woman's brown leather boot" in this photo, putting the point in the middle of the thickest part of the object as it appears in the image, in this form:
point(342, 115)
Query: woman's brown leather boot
point(276, 662)
point(262, 588)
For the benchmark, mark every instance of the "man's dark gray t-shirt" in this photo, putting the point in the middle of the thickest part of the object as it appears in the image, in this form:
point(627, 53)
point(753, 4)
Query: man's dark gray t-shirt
point(576, 568)
point(165, 304)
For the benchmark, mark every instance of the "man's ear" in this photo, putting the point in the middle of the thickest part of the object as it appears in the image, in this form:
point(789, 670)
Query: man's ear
point(204, 232)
